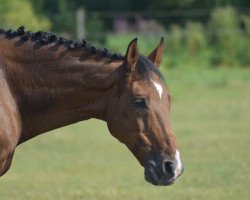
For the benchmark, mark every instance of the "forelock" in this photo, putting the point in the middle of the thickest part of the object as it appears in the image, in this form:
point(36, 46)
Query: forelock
point(145, 68)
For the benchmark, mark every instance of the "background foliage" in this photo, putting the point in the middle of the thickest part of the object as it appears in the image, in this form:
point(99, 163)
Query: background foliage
point(198, 33)
point(16, 12)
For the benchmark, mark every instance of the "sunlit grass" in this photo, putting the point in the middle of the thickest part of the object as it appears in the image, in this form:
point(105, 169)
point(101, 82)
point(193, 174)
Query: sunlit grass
point(210, 114)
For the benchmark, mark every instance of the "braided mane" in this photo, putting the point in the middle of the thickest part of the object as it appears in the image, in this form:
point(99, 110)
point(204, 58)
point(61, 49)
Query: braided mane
point(45, 38)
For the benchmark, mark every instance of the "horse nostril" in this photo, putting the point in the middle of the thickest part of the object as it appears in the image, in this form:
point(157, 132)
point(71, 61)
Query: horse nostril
point(169, 168)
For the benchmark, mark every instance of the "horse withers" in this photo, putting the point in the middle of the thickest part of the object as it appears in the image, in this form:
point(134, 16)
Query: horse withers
point(48, 82)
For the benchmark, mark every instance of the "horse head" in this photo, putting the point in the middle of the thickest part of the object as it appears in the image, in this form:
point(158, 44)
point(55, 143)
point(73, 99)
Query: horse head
point(139, 116)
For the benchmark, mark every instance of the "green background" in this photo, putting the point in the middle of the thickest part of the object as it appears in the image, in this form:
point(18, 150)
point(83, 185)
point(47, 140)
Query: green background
point(210, 114)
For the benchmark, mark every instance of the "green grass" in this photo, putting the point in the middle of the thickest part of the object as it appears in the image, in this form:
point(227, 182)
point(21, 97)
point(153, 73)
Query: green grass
point(211, 118)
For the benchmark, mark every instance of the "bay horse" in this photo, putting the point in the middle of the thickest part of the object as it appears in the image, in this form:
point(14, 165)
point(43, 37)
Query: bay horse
point(47, 82)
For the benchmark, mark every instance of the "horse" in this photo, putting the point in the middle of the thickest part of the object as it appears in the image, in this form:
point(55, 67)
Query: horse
point(47, 82)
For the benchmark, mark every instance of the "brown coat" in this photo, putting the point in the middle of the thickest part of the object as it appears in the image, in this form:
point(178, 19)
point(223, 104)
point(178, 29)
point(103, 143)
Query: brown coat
point(48, 82)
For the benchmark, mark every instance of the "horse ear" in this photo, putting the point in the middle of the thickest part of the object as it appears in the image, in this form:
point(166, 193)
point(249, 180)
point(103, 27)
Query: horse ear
point(156, 55)
point(132, 55)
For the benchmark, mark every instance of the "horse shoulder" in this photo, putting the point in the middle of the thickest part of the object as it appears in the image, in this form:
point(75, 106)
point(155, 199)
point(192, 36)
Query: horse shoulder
point(10, 124)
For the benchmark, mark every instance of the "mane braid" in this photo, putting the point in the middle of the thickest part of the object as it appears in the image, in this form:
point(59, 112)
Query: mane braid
point(45, 38)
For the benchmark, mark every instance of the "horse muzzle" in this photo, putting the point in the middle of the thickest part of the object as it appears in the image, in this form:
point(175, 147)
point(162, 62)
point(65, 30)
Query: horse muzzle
point(163, 172)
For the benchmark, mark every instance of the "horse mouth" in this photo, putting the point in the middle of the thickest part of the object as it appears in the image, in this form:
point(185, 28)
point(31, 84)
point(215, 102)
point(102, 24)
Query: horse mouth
point(154, 178)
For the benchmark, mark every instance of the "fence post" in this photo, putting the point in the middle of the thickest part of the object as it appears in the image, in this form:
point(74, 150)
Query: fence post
point(80, 23)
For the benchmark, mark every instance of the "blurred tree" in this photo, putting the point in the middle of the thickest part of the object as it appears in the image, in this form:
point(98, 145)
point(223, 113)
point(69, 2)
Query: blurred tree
point(94, 26)
point(227, 36)
point(62, 12)
point(20, 12)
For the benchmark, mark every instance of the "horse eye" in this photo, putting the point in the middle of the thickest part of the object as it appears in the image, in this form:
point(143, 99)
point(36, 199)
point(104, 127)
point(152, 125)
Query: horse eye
point(140, 103)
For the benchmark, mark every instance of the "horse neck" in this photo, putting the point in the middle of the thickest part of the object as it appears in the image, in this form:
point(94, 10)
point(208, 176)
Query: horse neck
point(57, 89)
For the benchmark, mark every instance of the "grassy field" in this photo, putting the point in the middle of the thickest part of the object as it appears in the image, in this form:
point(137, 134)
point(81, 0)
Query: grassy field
point(211, 118)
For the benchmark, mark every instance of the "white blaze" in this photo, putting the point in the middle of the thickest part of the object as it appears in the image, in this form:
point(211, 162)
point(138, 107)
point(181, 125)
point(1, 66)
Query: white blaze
point(179, 164)
point(158, 88)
